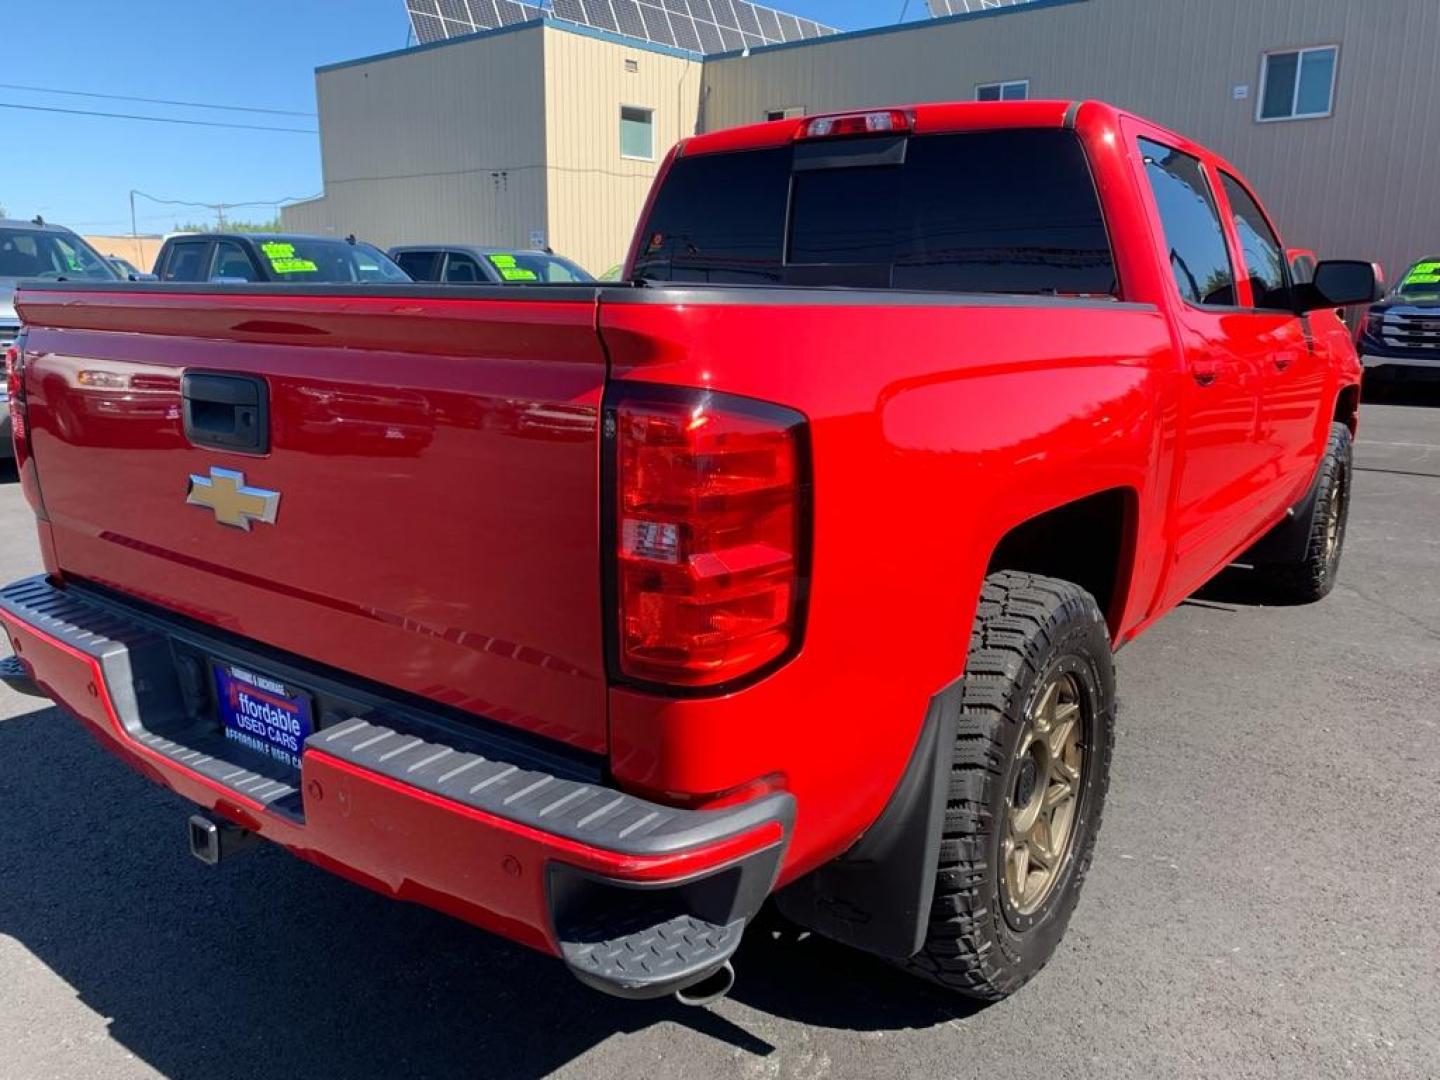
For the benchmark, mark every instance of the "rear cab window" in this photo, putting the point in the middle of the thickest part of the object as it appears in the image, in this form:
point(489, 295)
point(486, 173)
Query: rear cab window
point(1011, 211)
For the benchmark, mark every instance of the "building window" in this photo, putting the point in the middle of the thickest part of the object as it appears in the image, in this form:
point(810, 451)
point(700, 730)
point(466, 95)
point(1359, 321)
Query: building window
point(637, 133)
point(1298, 84)
point(787, 113)
point(1015, 90)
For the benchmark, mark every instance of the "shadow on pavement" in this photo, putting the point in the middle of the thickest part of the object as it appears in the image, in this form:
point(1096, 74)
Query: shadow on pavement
point(271, 967)
point(1420, 392)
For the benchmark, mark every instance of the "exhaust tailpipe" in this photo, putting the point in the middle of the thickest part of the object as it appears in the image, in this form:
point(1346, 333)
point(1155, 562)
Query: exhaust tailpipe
point(708, 989)
point(212, 839)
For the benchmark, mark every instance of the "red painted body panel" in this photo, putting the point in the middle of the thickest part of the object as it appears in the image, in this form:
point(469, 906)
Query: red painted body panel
point(436, 461)
point(460, 557)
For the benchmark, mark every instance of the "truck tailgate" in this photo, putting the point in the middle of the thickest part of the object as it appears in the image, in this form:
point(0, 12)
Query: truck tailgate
point(436, 464)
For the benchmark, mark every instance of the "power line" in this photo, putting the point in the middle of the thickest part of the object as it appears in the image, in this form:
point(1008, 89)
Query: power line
point(155, 119)
point(154, 101)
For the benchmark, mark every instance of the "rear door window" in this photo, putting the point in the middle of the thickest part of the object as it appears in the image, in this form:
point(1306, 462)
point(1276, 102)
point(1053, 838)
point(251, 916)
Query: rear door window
point(992, 212)
point(186, 261)
point(420, 265)
point(1199, 257)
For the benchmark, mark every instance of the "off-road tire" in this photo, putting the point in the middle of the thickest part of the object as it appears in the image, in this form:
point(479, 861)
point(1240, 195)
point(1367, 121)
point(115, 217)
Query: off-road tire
point(1312, 577)
point(1027, 628)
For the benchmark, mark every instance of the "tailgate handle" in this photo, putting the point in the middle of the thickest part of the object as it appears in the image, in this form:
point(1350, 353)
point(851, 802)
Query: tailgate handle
point(228, 412)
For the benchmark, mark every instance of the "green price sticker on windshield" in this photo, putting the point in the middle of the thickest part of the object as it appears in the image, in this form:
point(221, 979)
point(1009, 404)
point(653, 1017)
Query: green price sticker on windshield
point(501, 262)
point(516, 273)
point(1425, 273)
point(283, 261)
point(293, 266)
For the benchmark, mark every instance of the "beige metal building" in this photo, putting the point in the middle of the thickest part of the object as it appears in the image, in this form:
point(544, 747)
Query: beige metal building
point(511, 138)
point(541, 129)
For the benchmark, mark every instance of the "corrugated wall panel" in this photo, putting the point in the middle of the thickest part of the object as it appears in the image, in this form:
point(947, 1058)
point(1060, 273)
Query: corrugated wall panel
point(435, 144)
point(1359, 183)
point(594, 193)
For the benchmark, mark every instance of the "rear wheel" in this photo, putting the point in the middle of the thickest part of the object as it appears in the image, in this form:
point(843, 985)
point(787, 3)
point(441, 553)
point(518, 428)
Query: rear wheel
point(1031, 766)
point(1311, 577)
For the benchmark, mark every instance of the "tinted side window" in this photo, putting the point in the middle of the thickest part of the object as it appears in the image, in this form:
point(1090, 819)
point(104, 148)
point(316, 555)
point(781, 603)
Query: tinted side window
point(1259, 247)
point(420, 265)
point(186, 261)
point(463, 270)
point(232, 262)
point(1199, 257)
point(719, 218)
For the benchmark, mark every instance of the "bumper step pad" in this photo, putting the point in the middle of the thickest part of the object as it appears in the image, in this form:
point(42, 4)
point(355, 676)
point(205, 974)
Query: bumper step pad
point(652, 959)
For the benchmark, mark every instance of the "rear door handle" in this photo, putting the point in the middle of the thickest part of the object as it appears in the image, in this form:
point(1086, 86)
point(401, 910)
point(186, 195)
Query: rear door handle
point(227, 412)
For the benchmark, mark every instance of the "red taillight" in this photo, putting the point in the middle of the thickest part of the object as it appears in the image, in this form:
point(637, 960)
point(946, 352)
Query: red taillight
point(709, 510)
point(15, 391)
point(878, 122)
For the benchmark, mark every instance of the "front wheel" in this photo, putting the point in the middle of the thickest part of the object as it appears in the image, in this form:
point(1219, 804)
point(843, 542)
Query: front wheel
point(1312, 576)
point(1031, 766)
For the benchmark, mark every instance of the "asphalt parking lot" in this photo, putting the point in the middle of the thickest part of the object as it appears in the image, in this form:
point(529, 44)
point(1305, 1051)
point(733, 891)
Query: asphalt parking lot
point(1265, 899)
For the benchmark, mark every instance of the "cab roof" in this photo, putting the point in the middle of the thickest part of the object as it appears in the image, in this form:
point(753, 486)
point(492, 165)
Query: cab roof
point(926, 119)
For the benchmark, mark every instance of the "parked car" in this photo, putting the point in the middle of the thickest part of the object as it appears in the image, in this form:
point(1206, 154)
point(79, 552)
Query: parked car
point(792, 565)
point(235, 258)
point(36, 249)
point(463, 264)
point(1401, 339)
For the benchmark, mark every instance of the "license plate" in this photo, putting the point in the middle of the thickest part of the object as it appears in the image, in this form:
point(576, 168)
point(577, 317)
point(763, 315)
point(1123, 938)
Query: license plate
point(263, 714)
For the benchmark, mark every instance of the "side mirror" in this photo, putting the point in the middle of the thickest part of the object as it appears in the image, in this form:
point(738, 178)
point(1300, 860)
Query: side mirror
point(1339, 283)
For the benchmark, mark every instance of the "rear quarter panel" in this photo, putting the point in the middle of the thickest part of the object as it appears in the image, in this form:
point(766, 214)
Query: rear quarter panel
point(937, 425)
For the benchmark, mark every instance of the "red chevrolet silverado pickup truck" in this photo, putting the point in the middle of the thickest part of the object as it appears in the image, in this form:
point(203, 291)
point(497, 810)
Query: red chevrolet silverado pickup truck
point(792, 565)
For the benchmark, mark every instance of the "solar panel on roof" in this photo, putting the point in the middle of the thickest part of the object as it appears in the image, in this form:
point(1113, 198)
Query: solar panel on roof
point(657, 25)
point(940, 8)
point(704, 26)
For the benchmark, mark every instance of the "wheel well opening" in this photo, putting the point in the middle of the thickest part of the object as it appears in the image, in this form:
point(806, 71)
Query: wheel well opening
point(1087, 541)
point(1347, 407)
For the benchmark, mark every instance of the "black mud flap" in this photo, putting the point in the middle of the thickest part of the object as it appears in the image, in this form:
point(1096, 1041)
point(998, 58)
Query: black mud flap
point(1288, 541)
point(877, 896)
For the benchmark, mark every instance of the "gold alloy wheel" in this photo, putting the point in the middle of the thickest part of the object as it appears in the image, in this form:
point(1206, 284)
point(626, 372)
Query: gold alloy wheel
point(1042, 804)
point(1332, 519)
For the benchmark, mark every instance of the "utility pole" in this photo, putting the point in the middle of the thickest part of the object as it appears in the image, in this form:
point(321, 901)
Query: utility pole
point(134, 232)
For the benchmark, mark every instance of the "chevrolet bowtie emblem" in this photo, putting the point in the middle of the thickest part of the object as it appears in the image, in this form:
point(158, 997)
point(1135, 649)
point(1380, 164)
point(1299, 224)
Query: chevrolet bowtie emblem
point(224, 492)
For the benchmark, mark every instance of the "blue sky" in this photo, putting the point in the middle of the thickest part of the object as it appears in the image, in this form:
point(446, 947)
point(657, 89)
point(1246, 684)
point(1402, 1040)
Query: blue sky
point(78, 170)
